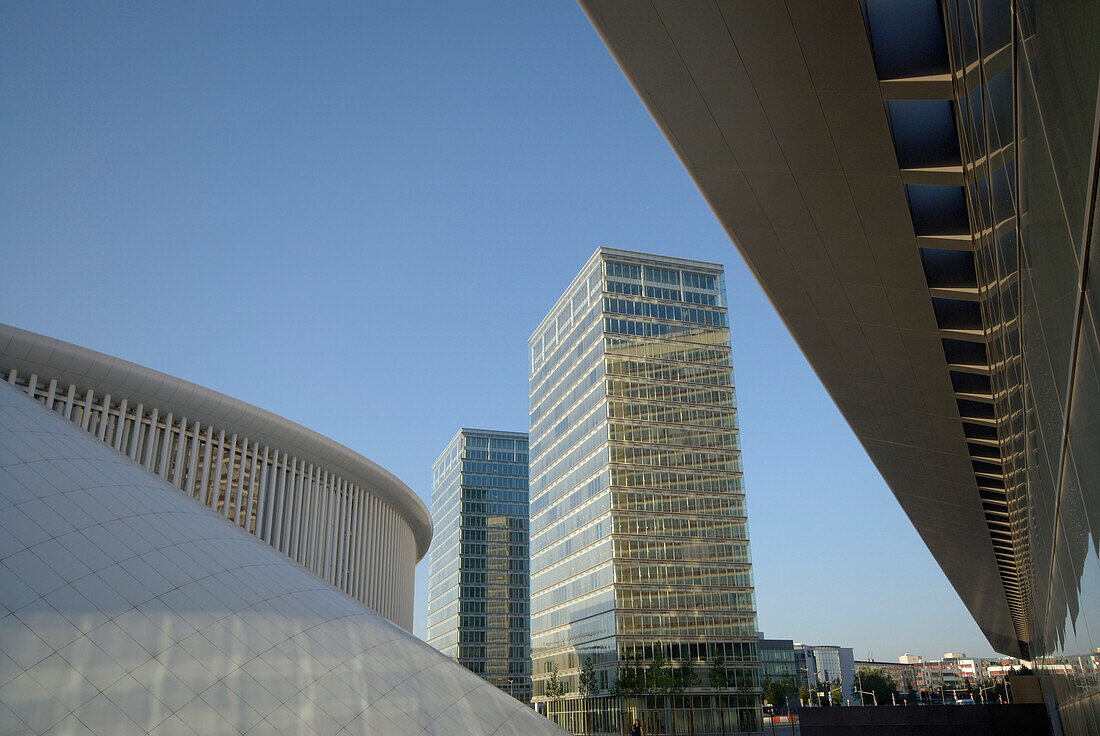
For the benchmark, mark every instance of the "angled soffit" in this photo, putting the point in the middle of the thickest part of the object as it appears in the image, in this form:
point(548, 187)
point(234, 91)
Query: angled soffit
point(778, 113)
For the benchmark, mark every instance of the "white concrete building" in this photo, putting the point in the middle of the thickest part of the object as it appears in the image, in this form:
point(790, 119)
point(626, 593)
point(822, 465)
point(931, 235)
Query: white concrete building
point(128, 608)
point(329, 509)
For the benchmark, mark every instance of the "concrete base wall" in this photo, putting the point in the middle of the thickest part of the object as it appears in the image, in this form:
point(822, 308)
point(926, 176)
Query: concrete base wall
point(927, 720)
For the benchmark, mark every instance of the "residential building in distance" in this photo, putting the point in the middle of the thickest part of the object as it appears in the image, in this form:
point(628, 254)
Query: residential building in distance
point(903, 674)
point(914, 186)
point(478, 582)
point(639, 547)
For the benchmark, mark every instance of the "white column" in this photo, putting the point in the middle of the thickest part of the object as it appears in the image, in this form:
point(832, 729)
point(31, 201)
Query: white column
point(325, 502)
point(151, 439)
point(193, 460)
point(67, 412)
point(313, 521)
point(353, 542)
point(32, 385)
point(364, 549)
point(334, 530)
point(177, 468)
point(349, 537)
point(86, 414)
point(51, 392)
point(290, 477)
point(166, 442)
point(345, 542)
point(216, 483)
point(253, 488)
point(104, 415)
point(231, 460)
point(135, 433)
point(207, 445)
point(290, 527)
point(12, 375)
point(276, 492)
point(238, 496)
point(372, 558)
point(261, 500)
point(326, 544)
point(120, 427)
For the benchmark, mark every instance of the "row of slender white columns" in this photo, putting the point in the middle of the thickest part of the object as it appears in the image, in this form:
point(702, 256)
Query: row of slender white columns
point(327, 524)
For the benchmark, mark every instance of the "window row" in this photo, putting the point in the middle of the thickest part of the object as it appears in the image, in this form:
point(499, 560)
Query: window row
point(673, 480)
point(618, 270)
point(665, 503)
point(555, 595)
point(685, 600)
point(657, 434)
point(670, 350)
point(711, 375)
point(660, 456)
point(630, 388)
point(681, 526)
point(731, 651)
point(494, 481)
point(665, 311)
point(681, 625)
point(671, 414)
point(675, 549)
point(487, 494)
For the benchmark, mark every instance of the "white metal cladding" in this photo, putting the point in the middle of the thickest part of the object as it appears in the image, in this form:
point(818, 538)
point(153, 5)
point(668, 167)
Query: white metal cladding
point(126, 609)
point(330, 520)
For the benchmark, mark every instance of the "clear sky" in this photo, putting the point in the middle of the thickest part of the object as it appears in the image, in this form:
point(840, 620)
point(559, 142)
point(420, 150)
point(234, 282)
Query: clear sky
point(354, 215)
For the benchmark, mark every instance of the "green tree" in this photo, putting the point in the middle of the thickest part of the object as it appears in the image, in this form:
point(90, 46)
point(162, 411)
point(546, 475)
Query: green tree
point(745, 683)
point(776, 694)
point(587, 680)
point(772, 695)
point(627, 683)
point(804, 695)
point(588, 686)
point(874, 680)
point(719, 679)
point(555, 688)
point(836, 694)
point(658, 678)
point(688, 680)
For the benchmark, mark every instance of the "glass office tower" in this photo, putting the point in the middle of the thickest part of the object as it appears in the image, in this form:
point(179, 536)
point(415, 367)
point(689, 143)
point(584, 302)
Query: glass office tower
point(478, 588)
point(639, 547)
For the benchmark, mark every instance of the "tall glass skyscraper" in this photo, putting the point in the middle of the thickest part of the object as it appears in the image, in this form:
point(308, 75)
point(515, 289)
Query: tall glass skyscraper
point(639, 546)
point(478, 587)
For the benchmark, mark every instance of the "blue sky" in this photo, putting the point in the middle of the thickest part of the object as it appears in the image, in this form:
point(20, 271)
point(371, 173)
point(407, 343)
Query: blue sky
point(354, 215)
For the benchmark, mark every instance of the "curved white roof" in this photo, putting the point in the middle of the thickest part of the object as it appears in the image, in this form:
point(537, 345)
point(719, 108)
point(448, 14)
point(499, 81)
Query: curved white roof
point(29, 352)
point(126, 608)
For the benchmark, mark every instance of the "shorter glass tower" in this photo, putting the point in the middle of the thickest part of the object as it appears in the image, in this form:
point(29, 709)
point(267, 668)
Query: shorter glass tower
point(478, 580)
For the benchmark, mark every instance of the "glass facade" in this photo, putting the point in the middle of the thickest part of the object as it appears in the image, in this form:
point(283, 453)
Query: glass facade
point(777, 660)
point(1023, 123)
point(478, 579)
point(639, 546)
